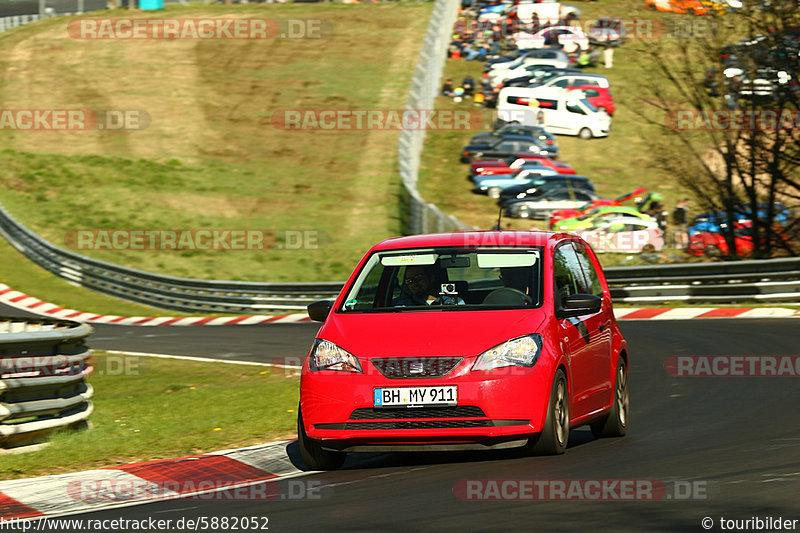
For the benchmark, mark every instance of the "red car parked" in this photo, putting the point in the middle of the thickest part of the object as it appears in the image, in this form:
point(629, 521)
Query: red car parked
point(598, 96)
point(511, 164)
point(464, 341)
point(562, 214)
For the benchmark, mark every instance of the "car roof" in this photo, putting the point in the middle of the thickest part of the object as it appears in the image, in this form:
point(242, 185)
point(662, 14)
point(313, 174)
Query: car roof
point(471, 239)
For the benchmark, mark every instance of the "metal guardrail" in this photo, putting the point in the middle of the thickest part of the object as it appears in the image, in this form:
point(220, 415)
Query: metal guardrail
point(166, 292)
point(773, 280)
point(43, 369)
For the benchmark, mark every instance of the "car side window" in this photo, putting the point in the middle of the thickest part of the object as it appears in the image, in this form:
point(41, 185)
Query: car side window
point(574, 108)
point(591, 284)
point(563, 83)
point(566, 273)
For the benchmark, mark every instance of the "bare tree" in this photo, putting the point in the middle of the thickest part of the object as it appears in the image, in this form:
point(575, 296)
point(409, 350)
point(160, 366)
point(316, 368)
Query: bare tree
point(729, 100)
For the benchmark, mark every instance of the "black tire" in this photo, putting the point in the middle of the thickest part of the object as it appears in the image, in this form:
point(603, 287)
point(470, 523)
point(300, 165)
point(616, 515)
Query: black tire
point(555, 434)
point(312, 453)
point(615, 423)
point(585, 133)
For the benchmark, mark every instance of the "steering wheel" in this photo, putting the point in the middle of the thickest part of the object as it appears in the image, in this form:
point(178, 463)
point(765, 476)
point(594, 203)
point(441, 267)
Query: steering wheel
point(507, 296)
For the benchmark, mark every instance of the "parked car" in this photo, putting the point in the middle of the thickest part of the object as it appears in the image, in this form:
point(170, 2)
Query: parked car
point(600, 97)
point(560, 215)
point(713, 244)
point(538, 76)
point(505, 147)
point(548, 53)
point(507, 166)
point(541, 185)
point(492, 186)
point(534, 68)
point(561, 112)
point(573, 81)
point(543, 56)
point(712, 221)
point(533, 351)
point(518, 129)
point(623, 234)
point(540, 206)
point(569, 38)
point(593, 217)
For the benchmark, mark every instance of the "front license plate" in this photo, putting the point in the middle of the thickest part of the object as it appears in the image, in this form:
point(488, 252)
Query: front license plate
point(408, 396)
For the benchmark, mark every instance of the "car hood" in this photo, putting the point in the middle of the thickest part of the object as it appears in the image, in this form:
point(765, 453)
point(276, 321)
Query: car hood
point(428, 333)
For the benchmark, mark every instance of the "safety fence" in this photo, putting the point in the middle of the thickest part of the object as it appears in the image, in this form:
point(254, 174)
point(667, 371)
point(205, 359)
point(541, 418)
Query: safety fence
point(422, 216)
point(44, 364)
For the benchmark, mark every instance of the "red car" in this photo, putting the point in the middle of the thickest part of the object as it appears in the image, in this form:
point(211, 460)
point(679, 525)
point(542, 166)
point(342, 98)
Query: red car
point(562, 214)
point(598, 96)
point(511, 164)
point(464, 340)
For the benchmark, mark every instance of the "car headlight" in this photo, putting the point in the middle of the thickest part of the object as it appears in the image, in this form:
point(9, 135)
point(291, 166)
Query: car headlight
point(327, 356)
point(522, 351)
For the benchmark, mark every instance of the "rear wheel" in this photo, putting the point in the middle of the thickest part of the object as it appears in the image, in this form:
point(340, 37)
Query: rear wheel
point(555, 433)
point(312, 453)
point(585, 133)
point(616, 423)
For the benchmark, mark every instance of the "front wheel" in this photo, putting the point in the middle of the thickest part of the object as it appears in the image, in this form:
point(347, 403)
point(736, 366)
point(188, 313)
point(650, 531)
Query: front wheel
point(312, 453)
point(585, 133)
point(616, 423)
point(555, 433)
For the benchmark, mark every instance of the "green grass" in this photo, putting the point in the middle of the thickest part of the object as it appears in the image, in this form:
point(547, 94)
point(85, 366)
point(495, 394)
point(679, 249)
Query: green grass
point(165, 408)
point(211, 157)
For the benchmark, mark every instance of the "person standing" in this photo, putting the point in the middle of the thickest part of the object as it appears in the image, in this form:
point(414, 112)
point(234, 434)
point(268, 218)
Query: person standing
point(608, 56)
point(680, 219)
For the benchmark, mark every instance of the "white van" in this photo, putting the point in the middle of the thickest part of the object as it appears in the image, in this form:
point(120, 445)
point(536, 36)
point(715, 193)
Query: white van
point(561, 112)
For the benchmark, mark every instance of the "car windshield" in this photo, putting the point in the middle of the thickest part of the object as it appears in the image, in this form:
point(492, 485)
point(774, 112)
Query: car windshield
point(447, 279)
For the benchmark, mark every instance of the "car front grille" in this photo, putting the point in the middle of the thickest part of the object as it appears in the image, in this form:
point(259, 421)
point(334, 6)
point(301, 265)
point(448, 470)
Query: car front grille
point(404, 413)
point(416, 367)
point(419, 424)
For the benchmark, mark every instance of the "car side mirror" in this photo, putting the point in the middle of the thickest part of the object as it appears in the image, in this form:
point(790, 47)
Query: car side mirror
point(580, 304)
point(319, 311)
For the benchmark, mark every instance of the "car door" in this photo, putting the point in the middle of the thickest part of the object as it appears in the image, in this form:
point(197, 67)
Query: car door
point(574, 338)
point(598, 326)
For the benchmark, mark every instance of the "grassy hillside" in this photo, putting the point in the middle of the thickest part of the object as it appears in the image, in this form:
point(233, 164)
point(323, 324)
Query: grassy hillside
point(211, 157)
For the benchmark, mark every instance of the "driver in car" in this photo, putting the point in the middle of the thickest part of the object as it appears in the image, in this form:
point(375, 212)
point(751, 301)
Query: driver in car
point(420, 289)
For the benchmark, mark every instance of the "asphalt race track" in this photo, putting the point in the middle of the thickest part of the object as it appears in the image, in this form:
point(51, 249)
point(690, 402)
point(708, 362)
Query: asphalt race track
point(734, 442)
